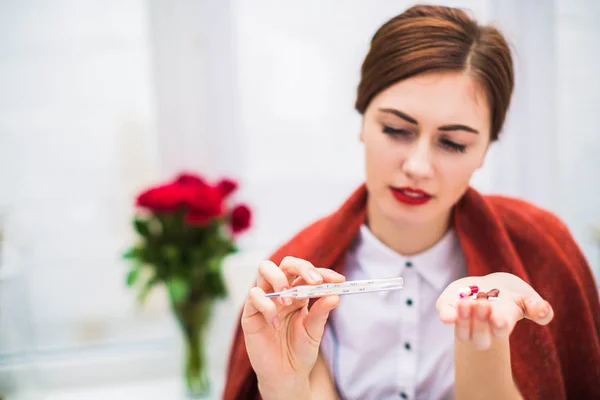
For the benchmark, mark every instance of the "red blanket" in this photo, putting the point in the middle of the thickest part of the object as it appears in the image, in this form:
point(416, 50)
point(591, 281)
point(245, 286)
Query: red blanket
point(497, 234)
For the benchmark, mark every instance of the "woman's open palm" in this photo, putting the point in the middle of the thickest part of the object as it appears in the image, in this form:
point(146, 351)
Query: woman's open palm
point(478, 322)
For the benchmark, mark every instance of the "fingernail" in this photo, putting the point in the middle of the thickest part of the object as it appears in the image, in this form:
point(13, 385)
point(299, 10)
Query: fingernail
point(545, 311)
point(283, 300)
point(314, 275)
point(287, 301)
point(482, 313)
point(464, 312)
point(276, 322)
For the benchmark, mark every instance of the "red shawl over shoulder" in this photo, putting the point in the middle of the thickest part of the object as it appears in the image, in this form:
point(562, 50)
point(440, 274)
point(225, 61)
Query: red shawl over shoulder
point(497, 234)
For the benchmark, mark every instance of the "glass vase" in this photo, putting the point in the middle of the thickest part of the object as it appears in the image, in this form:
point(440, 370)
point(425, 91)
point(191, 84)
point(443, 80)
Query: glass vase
point(194, 318)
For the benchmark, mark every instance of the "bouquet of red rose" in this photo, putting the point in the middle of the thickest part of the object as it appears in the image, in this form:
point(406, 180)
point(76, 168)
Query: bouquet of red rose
point(185, 230)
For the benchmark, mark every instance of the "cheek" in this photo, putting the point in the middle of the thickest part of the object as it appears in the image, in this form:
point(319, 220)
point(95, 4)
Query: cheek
point(382, 158)
point(456, 173)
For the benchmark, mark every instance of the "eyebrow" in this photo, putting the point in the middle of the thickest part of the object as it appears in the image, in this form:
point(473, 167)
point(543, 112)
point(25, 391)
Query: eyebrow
point(445, 128)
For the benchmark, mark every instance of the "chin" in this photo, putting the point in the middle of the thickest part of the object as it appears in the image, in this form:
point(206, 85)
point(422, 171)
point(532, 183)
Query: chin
point(402, 214)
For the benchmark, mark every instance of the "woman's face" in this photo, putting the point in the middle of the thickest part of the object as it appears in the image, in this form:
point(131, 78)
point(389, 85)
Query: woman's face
point(424, 137)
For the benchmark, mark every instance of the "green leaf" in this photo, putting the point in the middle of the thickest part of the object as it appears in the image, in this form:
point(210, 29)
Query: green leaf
point(145, 289)
point(178, 289)
point(216, 285)
point(197, 256)
point(133, 275)
point(147, 254)
point(214, 264)
point(130, 254)
point(232, 248)
point(218, 246)
point(171, 253)
point(141, 227)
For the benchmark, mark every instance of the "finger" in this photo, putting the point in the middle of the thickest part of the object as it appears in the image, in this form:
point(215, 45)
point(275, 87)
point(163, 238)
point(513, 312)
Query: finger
point(447, 313)
point(317, 316)
point(503, 318)
point(481, 333)
point(328, 276)
point(294, 267)
point(257, 303)
point(462, 328)
point(446, 306)
point(538, 310)
point(535, 308)
point(270, 277)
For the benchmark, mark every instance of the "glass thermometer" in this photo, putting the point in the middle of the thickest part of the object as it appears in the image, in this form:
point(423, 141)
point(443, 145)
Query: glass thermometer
point(350, 287)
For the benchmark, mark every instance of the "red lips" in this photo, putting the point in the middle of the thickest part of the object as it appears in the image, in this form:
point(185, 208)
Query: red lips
point(411, 196)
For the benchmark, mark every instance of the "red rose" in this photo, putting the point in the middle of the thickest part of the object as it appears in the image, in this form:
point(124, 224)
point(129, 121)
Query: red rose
point(188, 191)
point(240, 218)
point(164, 198)
point(206, 201)
point(201, 200)
point(227, 186)
point(206, 205)
point(189, 179)
point(209, 202)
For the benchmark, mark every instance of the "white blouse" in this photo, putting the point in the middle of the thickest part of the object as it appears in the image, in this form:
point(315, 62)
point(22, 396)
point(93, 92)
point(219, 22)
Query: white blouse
point(392, 345)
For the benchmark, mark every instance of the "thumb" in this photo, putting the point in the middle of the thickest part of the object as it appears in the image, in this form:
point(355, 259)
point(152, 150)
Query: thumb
point(318, 314)
point(538, 310)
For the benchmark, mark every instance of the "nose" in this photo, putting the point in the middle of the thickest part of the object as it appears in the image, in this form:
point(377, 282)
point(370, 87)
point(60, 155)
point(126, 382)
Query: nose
point(418, 162)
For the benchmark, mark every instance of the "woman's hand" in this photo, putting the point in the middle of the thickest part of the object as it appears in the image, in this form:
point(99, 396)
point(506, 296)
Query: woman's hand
point(282, 336)
point(478, 321)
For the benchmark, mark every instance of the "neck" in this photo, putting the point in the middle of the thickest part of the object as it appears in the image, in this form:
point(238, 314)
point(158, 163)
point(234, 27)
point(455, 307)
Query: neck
point(406, 239)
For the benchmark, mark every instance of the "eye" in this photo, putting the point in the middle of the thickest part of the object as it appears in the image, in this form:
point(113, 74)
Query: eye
point(452, 146)
point(393, 131)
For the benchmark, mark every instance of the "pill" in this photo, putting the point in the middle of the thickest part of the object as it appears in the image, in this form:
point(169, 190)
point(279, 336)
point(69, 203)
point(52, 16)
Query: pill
point(465, 290)
point(468, 290)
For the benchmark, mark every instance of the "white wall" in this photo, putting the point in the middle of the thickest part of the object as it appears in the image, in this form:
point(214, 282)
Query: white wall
point(77, 139)
point(578, 122)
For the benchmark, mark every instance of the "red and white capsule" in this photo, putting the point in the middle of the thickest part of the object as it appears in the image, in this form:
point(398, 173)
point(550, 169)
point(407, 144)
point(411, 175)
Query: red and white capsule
point(467, 291)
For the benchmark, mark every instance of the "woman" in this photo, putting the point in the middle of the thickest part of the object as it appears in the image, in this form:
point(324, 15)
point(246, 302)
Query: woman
point(435, 88)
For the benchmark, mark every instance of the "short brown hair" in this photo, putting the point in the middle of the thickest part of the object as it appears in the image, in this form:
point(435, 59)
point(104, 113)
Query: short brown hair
point(434, 38)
